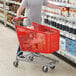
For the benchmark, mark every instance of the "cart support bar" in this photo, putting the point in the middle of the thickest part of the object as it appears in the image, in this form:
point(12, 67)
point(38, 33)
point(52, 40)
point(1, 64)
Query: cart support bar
point(19, 18)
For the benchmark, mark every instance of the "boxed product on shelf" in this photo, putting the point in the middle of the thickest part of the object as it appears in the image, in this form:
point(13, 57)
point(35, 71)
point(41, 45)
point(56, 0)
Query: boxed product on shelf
point(68, 49)
point(74, 44)
point(70, 46)
point(74, 47)
point(68, 42)
point(73, 52)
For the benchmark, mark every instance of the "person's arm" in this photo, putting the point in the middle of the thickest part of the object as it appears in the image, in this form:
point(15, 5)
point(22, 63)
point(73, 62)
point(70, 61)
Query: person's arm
point(46, 3)
point(53, 6)
point(19, 11)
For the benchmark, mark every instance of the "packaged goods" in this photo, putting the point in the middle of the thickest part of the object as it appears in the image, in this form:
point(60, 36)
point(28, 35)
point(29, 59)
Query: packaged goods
point(70, 46)
point(68, 42)
point(68, 49)
point(65, 12)
point(72, 13)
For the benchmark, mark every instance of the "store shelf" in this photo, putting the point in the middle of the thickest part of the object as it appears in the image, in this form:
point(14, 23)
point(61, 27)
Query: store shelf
point(63, 33)
point(10, 24)
point(61, 17)
point(13, 13)
point(63, 4)
point(13, 2)
point(1, 15)
point(1, 0)
point(64, 53)
point(68, 55)
point(2, 19)
point(1, 9)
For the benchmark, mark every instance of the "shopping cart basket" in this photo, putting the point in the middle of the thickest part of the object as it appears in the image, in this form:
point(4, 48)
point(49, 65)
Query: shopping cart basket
point(39, 39)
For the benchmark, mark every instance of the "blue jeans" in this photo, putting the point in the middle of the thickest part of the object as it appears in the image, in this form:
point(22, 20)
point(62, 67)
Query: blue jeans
point(19, 52)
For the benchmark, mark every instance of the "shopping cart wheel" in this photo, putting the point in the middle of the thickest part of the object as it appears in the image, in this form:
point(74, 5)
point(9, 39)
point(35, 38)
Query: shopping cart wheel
point(45, 69)
point(53, 67)
point(15, 63)
point(31, 58)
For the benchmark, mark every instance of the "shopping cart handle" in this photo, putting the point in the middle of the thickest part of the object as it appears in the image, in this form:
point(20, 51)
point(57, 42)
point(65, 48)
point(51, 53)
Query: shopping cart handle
point(19, 18)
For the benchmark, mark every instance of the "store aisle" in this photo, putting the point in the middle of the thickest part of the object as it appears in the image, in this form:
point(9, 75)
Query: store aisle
point(8, 47)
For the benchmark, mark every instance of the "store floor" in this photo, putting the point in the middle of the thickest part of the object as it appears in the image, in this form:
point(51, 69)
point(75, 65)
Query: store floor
point(8, 47)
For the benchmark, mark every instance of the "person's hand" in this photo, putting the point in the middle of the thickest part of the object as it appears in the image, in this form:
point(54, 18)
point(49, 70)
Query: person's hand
point(16, 17)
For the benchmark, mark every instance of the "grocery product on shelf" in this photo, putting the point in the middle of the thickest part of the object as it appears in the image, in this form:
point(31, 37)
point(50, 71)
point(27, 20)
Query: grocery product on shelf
point(70, 46)
point(73, 2)
point(61, 1)
point(66, 26)
point(51, 10)
point(72, 13)
point(3, 11)
point(13, 7)
point(65, 12)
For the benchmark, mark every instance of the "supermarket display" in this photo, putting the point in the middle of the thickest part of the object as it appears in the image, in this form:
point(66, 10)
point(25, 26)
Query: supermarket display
point(2, 11)
point(13, 5)
point(63, 20)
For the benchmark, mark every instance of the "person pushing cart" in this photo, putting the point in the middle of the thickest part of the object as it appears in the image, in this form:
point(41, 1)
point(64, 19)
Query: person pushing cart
point(37, 37)
point(33, 12)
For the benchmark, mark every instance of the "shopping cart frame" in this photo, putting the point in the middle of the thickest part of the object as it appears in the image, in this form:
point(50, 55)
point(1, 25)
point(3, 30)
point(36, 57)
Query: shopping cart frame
point(31, 56)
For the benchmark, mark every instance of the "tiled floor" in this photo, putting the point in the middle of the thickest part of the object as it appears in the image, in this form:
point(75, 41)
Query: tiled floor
point(8, 47)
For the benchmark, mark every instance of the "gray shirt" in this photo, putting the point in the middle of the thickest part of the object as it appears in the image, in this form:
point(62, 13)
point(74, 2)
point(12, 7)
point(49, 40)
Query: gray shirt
point(33, 9)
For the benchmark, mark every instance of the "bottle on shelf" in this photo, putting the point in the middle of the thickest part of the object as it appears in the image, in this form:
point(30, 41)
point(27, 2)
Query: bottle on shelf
point(52, 21)
point(63, 26)
point(60, 24)
point(71, 29)
point(74, 31)
point(74, 28)
point(46, 19)
point(67, 29)
point(49, 21)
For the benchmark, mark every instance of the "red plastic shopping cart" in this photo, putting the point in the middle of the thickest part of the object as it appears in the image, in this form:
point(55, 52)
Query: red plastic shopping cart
point(39, 39)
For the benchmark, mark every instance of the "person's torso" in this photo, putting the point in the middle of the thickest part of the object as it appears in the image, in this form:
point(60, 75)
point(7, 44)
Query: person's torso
point(33, 9)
